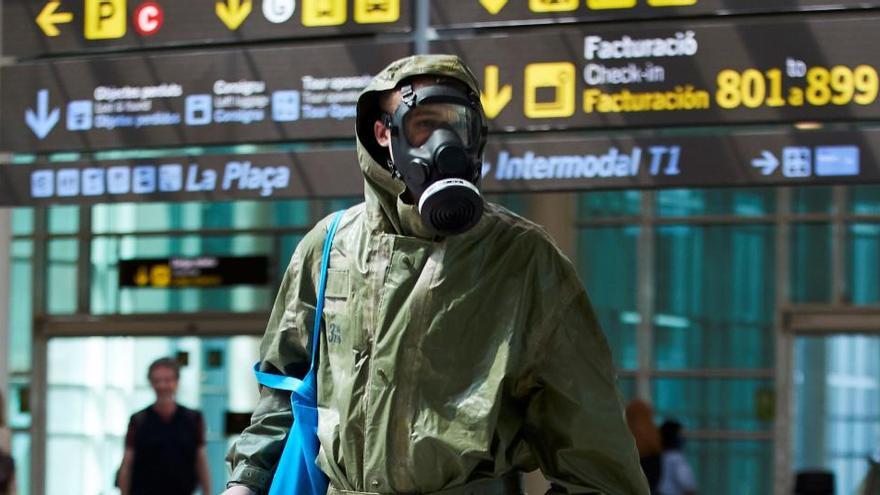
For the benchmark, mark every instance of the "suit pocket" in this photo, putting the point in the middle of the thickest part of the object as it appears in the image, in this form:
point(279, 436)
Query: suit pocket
point(343, 326)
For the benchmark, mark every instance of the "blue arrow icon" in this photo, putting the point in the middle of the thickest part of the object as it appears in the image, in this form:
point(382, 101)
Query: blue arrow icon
point(767, 163)
point(44, 120)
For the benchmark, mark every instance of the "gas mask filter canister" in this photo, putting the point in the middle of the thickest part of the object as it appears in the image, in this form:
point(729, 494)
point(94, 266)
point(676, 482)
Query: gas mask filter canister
point(437, 139)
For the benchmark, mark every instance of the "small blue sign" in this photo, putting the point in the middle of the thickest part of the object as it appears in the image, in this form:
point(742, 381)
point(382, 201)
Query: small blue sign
point(67, 182)
point(42, 184)
point(837, 161)
point(285, 106)
point(198, 110)
point(93, 182)
point(79, 115)
point(118, 180)
point(170, 177)
point(144, 179)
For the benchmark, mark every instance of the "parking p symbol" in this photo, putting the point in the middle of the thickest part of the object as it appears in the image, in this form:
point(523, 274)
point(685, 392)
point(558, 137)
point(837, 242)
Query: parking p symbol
point(104, 19)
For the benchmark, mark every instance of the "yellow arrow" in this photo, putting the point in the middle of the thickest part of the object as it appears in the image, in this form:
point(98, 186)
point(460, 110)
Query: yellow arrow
point(494, 98)
point(234, 12)
point(493, 6)
point(48, 18)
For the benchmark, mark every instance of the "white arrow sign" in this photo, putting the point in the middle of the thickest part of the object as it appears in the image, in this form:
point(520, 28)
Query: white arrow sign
point(44, 120)
point(767, 163)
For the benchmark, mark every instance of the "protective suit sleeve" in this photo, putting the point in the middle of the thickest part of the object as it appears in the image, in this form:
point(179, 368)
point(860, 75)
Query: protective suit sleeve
point(574, 424)
point(253, 456)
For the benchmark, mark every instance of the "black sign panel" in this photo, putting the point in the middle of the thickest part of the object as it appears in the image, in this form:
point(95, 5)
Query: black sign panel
point(227, 96)
point(632, 162)
point(37, 27)
point(543, 163)
point(204, 271)
point(770, 69)
point(311, 174)
point(459, 13)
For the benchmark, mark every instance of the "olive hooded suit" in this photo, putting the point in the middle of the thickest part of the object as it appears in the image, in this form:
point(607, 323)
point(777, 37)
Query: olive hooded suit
point(442, 360)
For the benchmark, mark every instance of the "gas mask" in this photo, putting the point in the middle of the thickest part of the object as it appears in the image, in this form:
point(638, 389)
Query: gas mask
point(437, 138)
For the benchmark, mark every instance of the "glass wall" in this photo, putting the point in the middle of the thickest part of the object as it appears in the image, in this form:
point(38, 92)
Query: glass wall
point(705, 265)
point(684, 282)
point(96, 384)
point(837, 406)
point(19, 352)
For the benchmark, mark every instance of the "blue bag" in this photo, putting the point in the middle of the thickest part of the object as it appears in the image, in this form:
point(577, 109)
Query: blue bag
point(297, 472)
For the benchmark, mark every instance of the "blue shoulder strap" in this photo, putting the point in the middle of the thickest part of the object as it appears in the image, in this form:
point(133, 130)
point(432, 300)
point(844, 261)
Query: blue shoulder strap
point(283, 382)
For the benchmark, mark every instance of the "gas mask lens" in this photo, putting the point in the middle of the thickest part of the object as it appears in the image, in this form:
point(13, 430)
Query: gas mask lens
point(421, 122)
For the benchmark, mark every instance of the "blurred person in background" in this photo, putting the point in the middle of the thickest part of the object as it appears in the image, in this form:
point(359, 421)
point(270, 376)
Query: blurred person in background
point(5, 434)
point(7, 465)
point(676, 475)
point(871, 484)
point(640, 419)
point(165, 445)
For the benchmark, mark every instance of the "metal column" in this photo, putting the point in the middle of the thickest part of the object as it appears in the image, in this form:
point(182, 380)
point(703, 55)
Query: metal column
point(5, 276)
point(645, 297)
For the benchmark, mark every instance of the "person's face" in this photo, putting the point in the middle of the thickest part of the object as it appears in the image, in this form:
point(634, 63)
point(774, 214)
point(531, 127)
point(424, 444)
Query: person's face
point(383, 133)
point(164, 382)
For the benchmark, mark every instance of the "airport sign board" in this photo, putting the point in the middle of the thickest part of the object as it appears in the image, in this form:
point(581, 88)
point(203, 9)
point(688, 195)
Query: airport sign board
point(226, 96)
point(542, 163)
point(474, 13)
point(805, 67)
point(42, 27)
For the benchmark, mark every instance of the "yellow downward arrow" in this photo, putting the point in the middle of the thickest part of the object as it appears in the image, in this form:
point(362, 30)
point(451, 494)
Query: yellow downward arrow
point(494, 98)
point(234, 12)
point(493, 6)
point(48, 18)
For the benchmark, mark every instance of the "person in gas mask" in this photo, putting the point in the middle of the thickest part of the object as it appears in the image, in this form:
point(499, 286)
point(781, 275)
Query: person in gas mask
point(459, 347)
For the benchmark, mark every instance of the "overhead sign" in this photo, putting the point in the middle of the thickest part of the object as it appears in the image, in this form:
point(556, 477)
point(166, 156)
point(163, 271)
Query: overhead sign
point(773, 69)
point(203, 271)
point(634, 161)
point(550, 162)
point(39, 27)
point(461, 13)
point(221, 97)
point(308, 174)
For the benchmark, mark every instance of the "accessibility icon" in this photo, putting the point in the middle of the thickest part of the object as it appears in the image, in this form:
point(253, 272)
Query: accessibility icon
point(323, 13)
point(50, 16)
point(278, 11)
point(233, 12)
point(104, 19)
point(376, 11)
point(43, 120)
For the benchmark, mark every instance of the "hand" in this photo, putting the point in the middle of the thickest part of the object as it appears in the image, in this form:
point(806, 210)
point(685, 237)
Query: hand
point(238, 490)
